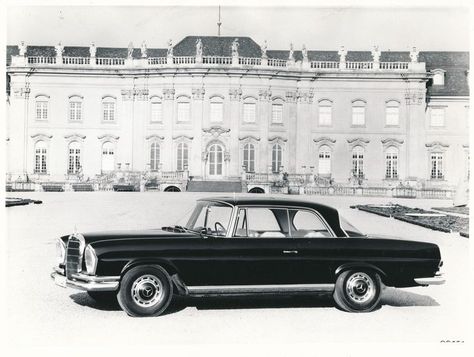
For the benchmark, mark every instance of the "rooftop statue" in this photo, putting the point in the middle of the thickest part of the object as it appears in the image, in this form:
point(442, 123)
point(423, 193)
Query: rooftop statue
point(264, 49)
point(291, 56)
point(59, 49)
point(414, 55)
point(235, 48)
point(22, 48)
point(92, 49)
point(376, 54)
point(342, 54)
point(198, 48)
point(304, 51)
point(130, 50)
point(144, 50)
point(170, 48)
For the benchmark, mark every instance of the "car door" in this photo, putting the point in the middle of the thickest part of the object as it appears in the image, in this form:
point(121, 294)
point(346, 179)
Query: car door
point(318, 247)
point(260, 250)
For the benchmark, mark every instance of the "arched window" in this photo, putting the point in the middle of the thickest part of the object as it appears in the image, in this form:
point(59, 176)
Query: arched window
point(216, 110)
point(75, 108)
point(182, 157)
point(156, 110)
point(276, 158)
point(358, 162)
point(41, 107)
point(391, 163)
point(249, 157)
point(41, 157)
point(277, 111)
point(74, 159)
point(216, 157)
point(325, 113)
point(154, 156)
point(108, 109)
point(392, 113)
point(358, 113)
point(108, 156)
point(324, 161)
point(250, 110)
point(183, 109)
point(438, 77)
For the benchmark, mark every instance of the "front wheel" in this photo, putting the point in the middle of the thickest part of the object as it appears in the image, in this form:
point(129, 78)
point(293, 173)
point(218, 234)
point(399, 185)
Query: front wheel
point(358, 291)
point(145, 291)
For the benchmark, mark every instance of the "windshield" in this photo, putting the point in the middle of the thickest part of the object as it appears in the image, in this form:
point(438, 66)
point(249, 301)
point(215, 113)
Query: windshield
point(349, 228)
point(210, 218)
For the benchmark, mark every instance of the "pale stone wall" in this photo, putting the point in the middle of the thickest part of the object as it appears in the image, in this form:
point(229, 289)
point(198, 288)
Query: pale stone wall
point(300, 134)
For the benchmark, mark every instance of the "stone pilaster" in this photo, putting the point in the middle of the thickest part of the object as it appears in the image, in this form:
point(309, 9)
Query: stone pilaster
point(265, 118)
point(195, 162)
point(303, 125)
point(415, 121)
point(291, 152)
point(235, 164)
point(168, 125)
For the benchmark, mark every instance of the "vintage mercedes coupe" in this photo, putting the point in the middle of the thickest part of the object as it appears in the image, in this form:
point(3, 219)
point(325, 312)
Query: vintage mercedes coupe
point(244, 246)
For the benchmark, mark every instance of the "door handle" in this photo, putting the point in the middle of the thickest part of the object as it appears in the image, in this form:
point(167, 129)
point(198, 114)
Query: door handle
point(290, 252)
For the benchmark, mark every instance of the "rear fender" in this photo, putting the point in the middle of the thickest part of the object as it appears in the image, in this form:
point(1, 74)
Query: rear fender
point(361, 265)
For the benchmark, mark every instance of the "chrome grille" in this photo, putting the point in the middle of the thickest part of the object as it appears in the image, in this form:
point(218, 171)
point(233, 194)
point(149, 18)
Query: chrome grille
point(73, 256)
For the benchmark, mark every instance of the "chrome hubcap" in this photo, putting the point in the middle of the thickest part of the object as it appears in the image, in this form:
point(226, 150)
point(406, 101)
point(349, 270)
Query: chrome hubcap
point(147, 291)
point(360, 287)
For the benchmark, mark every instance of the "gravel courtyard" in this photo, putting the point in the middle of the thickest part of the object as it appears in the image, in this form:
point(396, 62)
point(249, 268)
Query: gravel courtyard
point(39, 310)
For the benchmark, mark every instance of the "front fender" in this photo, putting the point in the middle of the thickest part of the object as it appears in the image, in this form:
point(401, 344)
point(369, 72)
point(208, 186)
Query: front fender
point(165, 264)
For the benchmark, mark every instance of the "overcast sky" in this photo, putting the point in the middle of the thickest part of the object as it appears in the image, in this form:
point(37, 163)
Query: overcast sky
point(318, 28)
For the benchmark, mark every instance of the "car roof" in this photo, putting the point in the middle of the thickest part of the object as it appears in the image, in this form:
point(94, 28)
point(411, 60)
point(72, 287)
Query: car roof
point(330, 214)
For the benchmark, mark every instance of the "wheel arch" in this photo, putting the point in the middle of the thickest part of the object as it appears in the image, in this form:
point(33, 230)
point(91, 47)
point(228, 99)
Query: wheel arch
point(165, 264)
point(361, 265)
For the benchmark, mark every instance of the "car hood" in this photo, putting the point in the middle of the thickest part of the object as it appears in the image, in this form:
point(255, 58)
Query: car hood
point(92, 237)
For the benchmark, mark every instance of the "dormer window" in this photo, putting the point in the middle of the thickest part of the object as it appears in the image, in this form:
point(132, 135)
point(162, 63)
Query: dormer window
point(438, 77)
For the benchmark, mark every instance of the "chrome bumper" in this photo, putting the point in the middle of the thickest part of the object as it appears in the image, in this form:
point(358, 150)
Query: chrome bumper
point(85, 282)
point(438, 279)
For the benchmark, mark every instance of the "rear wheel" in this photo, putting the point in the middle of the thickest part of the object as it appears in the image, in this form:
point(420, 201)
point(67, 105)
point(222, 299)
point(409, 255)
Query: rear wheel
point(358, 290)
point(145, 291)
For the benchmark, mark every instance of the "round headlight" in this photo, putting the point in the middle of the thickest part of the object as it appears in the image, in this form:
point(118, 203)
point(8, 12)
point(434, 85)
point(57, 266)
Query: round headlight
point(60, 251)
point(90, 260)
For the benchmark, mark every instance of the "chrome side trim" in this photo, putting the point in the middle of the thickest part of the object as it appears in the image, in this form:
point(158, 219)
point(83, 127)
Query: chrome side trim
point(245, 289)
point(89, 283)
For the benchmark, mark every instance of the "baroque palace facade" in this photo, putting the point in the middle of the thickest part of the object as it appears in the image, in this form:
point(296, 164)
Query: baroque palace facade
point(224, 109)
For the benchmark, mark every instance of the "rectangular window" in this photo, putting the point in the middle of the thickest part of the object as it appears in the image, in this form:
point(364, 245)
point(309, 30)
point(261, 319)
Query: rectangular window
point(183, 112)
point(358, 115)
point(109, 111)
point(156, 113)
point(392, 116)
point(437, 166)
point(437, 117)
point(75, 111)
point(41, 110)
point(250, 112)
point(216, 112)
point(325, 115)
point(277, 113)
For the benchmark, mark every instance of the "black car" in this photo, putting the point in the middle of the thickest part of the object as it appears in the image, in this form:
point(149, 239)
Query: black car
point(244, 246)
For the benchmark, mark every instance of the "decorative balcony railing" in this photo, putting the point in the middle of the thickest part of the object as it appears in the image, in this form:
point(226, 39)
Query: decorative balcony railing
point(156, 61)
point(173, 175)
point(216, 60)
point(102, 61)
point(192, 61)
point(250, 61)
point(325, 64)
point(184, 60)
point(359, 65)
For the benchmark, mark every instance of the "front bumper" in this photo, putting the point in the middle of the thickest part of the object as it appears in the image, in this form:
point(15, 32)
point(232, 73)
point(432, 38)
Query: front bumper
point(85, 282)
point(438, 279)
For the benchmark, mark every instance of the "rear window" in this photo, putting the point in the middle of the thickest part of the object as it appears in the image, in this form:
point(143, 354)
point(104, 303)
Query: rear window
point(349, 228)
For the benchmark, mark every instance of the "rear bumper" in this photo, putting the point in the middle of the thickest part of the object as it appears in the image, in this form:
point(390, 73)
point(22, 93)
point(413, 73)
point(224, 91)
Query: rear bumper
point(85, 282)
point(438, 279)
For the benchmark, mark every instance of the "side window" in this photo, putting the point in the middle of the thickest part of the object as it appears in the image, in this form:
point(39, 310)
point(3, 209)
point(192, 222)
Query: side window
point(306, 224)
point(262, 222)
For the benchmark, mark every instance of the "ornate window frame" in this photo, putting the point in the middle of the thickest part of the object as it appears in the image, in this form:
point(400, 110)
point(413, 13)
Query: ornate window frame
point(247, 100)
point(149, 141)
point(358, 103)
point(216, 99)
point(155, 99)
point(323, 103)
point(76, 99)
point(44, 100)
point(392, 103)
point(183, 99)
point(106, 101)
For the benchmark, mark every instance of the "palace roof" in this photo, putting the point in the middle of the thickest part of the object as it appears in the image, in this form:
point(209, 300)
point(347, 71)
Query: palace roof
point(456, 64)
